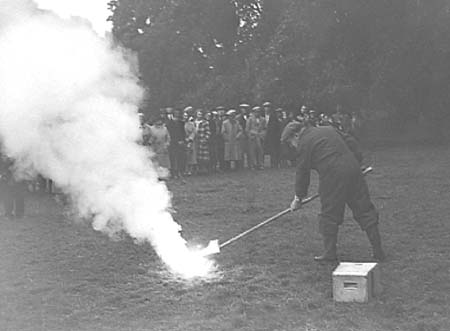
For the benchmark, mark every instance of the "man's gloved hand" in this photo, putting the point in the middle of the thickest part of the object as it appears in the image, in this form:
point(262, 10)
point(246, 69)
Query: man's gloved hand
point(296, 203)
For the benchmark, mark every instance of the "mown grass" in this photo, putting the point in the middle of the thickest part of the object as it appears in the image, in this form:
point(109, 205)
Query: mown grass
point(57, 274)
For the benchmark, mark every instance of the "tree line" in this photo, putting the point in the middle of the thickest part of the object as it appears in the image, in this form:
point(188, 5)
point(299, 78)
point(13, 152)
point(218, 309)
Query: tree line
point(384, 58)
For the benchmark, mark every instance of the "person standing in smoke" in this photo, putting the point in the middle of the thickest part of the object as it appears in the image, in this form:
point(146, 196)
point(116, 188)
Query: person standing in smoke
point(12, 190)
point(159, 141)
point(175, 126)
point(341, 183)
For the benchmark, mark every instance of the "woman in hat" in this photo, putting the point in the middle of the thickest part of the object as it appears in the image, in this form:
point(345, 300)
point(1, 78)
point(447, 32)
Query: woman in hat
point(232, 132)
point(202, 141)
point(191, 148)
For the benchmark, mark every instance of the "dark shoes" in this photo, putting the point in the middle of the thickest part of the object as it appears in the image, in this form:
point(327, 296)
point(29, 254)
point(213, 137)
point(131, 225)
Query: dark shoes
point(325, 259)
point(329, 241)
point(375, 240)
point(329, 255)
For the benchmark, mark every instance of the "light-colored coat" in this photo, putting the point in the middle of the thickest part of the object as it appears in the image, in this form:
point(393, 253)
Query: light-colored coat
point(191, 147)
point(232, 132)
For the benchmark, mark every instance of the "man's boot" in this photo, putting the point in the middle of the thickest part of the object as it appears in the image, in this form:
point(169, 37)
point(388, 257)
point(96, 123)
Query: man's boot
point(329, 254)
point(375, 240)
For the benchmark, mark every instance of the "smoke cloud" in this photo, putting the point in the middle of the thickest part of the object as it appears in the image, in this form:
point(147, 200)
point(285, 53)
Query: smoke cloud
point(68, 110)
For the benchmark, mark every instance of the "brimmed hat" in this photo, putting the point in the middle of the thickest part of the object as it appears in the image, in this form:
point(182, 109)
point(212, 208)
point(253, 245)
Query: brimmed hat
point(256, 108)
point(267, 104)
point(244, 105)
point(231, 112)
point(188, 109)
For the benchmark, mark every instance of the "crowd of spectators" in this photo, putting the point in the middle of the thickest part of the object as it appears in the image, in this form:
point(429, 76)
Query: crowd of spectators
point(194, 141)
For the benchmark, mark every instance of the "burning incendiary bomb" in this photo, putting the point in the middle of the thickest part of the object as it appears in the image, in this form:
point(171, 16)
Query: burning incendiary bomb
point(76, 121)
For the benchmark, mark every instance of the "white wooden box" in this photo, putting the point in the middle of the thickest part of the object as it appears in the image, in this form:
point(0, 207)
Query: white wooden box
point(356, 282)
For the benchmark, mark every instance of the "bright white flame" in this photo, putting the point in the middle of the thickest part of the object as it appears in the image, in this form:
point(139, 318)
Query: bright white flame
point(68, 110)
point(96, 11)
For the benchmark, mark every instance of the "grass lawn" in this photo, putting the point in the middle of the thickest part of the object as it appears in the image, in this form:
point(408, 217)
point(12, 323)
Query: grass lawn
point(59, 274)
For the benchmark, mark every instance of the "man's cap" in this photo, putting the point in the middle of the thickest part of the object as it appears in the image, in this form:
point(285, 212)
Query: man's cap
point(231, 112)
point(188, 109)
point(290, 130)
point(279, 110)
point(256, 108)
point(267, 104)
point(244, 105)
point(220, 108)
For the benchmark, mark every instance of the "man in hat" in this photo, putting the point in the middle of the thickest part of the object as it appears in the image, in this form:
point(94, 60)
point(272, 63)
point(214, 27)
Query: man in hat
point(272, 139)
point(242, 117)
point(177, 134)
point(211, 117)
point(220, 118)
point(341, 183)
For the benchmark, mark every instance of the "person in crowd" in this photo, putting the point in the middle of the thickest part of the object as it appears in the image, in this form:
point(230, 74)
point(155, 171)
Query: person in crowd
point(175, 125)
point(288, 116)
point(202, 136)
point(220, 141)
point(346, 123)
point(312, 118)
point(272, 139)
point(211, 118)
point(341, 183)
point(285, 118)
point(356, 126)
point(169, 113)
point(242, 117)
point(265, 115)
point(191, 146)
point(254, 128)
point(303, 110)
point(231, 132)
point(12, 190)
point(325, 120)
point(159, 142)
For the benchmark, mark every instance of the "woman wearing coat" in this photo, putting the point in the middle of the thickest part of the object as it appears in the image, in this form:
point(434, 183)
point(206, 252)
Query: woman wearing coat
point(191, 148)
point(232, 132)
point(203, 134)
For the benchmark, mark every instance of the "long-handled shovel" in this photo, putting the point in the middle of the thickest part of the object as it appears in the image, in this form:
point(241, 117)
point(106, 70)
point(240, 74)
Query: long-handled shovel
point(214, 247)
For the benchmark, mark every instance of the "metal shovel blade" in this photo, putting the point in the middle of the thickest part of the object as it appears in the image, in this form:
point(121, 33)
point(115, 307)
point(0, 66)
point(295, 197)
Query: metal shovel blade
point(212, 248)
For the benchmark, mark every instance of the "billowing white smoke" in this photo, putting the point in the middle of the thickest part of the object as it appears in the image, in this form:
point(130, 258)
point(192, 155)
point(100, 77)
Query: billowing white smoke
point(68, 110)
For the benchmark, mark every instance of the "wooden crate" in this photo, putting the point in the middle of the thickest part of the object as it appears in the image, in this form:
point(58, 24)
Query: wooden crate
point(356, 282)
